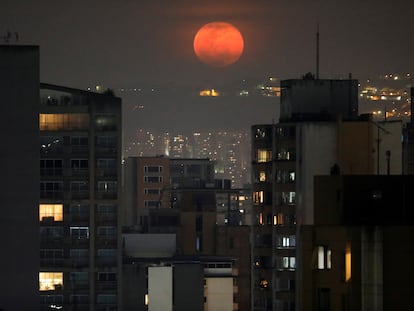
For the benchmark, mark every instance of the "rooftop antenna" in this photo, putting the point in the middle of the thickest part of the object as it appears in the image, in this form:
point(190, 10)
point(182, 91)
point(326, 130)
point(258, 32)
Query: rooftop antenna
point(317, 51)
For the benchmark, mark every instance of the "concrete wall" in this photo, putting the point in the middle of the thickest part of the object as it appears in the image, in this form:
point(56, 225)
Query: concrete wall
point(316, 146)
point(219, 294)
point(330, 97)
point(149, 245)
point(160, 288)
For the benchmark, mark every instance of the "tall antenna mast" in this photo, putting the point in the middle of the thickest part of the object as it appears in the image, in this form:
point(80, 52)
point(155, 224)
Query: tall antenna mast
point(317, 51)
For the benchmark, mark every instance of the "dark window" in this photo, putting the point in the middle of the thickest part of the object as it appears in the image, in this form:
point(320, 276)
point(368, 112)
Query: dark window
point(199, 223)
point(324, 299)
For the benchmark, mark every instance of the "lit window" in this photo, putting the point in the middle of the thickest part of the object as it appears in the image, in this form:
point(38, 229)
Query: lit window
point(264, 155)
point(348, 263)
point(260, 218)
point(286, 263)
point(289, 198)
point(264, 283)
point(287, 241)
point(52, 212)
point(280, 219)
point(105, 122)
point(58, 122)
point(199, 243)
point(258, 197)
point(324, 258)
point(262, 176)
point(50, 281)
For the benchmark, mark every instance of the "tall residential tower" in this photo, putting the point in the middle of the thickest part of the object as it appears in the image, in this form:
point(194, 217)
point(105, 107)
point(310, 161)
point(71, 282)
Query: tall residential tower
point(79, 210)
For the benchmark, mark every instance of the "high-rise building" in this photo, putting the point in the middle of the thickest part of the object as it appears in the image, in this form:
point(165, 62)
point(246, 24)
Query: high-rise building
point(319, 133)
point(79, 208)
point(355, 253)
point(19, 185)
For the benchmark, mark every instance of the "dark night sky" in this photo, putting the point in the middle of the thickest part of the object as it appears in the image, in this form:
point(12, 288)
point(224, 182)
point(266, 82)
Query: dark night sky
point(149, 42)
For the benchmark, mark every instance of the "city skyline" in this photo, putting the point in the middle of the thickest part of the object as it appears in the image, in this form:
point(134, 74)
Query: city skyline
point(133, 44)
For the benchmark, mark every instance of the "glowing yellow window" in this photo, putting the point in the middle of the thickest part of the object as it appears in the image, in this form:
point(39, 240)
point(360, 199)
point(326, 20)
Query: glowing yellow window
point(50, 280)
point(264, 155)
point(258, 197)
point(348, 263)
point(63, 121)
point(52, 212)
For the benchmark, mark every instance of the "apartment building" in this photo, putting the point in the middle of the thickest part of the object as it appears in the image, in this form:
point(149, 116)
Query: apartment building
point(319, 133)
point(80, 204)
point(356, 253)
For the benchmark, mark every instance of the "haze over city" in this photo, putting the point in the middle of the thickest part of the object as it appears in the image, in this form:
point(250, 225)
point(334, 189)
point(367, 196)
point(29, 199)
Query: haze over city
point(148, 46)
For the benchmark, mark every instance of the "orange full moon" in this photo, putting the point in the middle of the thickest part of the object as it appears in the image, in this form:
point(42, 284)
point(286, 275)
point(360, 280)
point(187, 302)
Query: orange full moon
point(218, 44)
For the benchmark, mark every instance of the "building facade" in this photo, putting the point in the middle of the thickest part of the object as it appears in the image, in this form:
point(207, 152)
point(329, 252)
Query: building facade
point(319, 133)
point(205, 215)
point(351, 250)
point(80, 203)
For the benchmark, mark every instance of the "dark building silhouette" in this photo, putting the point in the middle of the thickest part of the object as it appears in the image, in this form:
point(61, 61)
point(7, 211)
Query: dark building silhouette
point(19, 185)
point(357, 255)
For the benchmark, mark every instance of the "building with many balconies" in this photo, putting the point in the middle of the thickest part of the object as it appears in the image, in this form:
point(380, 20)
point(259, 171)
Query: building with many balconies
point(79, 208)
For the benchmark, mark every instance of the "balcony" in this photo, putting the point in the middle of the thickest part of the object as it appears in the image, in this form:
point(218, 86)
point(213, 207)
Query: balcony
point(51, 262)
point(80, 195)
point(106, 217)
point(106, 261)
point(80, 149)
point(51, 241)
point(106, 285)
point(106, 195)
point(76, 172)
point(106, 241)
point(78, 217)
point(79, 262)
point(52, 195)
point(77, 241)
point(106, 172)
point(79, 285)
point(101, 150)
